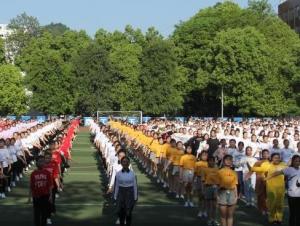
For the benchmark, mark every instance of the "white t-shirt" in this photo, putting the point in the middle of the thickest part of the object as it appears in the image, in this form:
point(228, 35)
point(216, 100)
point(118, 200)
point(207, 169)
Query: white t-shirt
point(4, 157)
point(293, 180)
point(286, 154)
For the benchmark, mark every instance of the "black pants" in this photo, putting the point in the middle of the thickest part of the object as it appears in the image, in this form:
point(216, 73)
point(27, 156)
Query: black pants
point(294, 206)
point(5, 182)
point(123, 214)
point(14, 171)
point(41, 207)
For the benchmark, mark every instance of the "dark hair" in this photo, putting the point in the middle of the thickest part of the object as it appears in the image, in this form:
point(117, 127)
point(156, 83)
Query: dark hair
point(125, 157)
point(274, 154)
point(211, 158)
point(122, 150)
point(264, 150)
point(294, 159)
point(227, 157)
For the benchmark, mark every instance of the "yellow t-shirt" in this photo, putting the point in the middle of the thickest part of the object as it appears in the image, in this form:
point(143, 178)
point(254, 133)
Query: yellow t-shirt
point(176, 156)
point(188, 161)
point(169, 152)
point(199, 166)
point(210, 176)
point(163, 150)
point(227, 178)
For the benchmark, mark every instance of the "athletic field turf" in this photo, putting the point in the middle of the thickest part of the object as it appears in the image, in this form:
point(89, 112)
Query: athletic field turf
point(84, 203)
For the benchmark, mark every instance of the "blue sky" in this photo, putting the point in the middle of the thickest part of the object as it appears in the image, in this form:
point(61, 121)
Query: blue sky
point(111, 15)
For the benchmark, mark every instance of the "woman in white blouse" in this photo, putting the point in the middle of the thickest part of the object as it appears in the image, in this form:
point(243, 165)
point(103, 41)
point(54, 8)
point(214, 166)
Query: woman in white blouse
point(125, 192)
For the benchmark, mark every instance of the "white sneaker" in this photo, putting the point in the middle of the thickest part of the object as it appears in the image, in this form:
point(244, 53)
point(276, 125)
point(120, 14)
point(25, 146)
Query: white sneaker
point(49, 221)
point(182, 196)
point(118, 221)
point(165, 185)
point(204, 214)
point(56, 196)
point(8, 189)
point(17, 178)
point(21, 176)
point(199, 214)
point(177, 196)
point(3, 196)
point(186, 204)
point(158, 181)
point(13, 184)
point(191, 204)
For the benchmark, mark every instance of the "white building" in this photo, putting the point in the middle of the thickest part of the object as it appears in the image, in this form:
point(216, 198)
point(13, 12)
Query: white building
point(4, 31)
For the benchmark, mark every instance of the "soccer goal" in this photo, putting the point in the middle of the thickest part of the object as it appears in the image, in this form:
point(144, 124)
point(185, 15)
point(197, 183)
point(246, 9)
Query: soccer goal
point(134, 117)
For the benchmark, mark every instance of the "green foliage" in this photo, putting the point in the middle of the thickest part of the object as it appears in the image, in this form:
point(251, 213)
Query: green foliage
point(159, 78)
point(47, 61)
point(255, 69)
point(24, 28)
point(93, 78)
point(55, 29)
point(12, 91)
point(2, 52)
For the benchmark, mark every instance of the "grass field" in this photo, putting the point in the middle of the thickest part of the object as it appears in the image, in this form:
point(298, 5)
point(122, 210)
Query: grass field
point(84, 203)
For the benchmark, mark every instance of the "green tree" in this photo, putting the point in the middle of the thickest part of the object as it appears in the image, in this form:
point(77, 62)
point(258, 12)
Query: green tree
point(159, 78)
point(2, 52)
point(24, 28)
point(93, 78)
point(47, 61)
point(12, 91)
point(55, 29)
point(240, 62)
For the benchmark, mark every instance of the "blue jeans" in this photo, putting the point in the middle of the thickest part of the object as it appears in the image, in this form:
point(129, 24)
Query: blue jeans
point(249, 191)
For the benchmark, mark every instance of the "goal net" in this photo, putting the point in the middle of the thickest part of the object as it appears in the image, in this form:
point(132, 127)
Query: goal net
point(134, 117)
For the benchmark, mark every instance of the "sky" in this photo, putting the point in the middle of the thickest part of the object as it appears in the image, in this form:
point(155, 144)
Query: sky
point(90, 15)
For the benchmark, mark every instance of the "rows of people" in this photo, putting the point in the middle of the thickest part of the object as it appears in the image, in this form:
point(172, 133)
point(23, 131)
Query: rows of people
point(189, 160)
point(48, 143)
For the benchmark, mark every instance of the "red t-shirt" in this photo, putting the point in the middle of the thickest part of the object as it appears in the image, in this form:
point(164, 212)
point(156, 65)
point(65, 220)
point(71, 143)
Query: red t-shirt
point(57, 157)
point(52, 168)
point(40, 183)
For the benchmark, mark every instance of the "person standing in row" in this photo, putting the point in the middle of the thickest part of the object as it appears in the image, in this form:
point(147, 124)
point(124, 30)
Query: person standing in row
point(41, 185)
point(292, 175)
point(125, 192)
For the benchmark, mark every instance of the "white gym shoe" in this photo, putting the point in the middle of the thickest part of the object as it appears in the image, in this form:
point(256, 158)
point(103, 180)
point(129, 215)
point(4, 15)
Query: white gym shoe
point(182, 196)
point(49, 221)
point(191, 204)
point(158, 181)
point(17, 178)
point(177, 196)
point(186, 204)
point(165, 185)
point(8, 189)
point(13, 184)
point(204, 214)
point(3, 195)
point(21, 176)
point(118, 221)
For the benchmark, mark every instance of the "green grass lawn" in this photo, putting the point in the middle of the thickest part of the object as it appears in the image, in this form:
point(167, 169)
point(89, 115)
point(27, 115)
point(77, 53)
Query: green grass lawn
point(84, 203)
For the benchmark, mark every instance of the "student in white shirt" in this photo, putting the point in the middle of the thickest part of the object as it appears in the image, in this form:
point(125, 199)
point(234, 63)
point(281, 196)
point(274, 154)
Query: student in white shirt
point(125, 193)
point(249, 179)
point(286, 152)
point(5, 168)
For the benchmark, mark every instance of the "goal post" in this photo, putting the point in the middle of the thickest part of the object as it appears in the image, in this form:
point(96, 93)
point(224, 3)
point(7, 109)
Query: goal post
point(134, 117)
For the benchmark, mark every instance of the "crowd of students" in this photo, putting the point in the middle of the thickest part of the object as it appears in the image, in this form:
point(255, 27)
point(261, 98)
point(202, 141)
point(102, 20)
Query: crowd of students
point(48, 144)
point(217, 162)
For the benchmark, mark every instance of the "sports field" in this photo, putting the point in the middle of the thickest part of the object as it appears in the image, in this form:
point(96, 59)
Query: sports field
point(84, 203)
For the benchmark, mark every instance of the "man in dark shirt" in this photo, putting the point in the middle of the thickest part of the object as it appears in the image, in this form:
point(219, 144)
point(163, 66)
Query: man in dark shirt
point(41, 185)
point(213, 143)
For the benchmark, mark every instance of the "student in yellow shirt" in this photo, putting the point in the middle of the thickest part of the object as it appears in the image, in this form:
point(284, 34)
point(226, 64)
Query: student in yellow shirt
point(186, 175)
point(168, 169)
point(210, 180)
point(164, 160)
point(199, 166)
point(227, 192)
point(275, 187)
point(175, 156)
